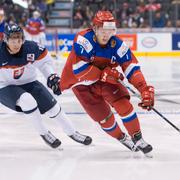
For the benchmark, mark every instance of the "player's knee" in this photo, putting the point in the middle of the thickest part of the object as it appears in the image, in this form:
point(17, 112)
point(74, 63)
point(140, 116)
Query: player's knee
point(54, 111)
point(27, 103)
point(107, 121)
point(123, 107)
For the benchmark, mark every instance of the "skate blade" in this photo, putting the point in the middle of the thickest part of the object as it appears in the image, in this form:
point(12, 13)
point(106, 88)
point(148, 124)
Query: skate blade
point(59, 149)
point(148, 155)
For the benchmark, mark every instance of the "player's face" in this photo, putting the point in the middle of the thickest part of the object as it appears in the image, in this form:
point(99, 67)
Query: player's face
point(103, 35)
point(1, 17)
point(15, 42)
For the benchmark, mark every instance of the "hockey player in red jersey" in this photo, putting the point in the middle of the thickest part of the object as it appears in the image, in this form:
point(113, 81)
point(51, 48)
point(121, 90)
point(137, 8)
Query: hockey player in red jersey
point(35, 29)
point(91, 72)
point(21, 91)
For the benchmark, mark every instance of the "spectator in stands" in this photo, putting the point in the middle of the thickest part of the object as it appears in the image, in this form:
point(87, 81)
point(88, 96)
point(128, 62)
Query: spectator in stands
point(17, 12)
point(89, 13)
point(78, 17)
point(135, 20)
point(159, 20)
point(169, 24)
point(141, 8)
point(153, 6)
point(42, 7)
point(178, 23)
point(124, 14)
point(23, 20)
point(11, 19)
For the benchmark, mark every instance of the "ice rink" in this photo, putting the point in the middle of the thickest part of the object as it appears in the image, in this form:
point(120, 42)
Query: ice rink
point(24, 156)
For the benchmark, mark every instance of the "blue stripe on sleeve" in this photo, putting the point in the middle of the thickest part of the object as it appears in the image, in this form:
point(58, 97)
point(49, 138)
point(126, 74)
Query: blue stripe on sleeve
point(135, 68)
point(80, 69)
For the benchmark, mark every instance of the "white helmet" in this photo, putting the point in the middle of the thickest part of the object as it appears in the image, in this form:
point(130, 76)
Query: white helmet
point(36, 14)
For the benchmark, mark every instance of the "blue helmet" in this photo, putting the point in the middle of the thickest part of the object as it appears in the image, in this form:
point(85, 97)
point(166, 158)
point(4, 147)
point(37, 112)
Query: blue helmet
point(12, 28)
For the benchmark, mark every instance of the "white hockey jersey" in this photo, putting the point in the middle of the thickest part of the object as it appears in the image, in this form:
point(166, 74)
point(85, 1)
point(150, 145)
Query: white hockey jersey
point(21, 68)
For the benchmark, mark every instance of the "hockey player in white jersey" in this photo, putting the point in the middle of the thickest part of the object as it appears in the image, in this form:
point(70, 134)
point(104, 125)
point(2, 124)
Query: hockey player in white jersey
point(21, 91)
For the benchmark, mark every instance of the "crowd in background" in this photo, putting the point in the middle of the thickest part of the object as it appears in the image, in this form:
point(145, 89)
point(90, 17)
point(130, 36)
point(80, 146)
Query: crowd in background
point(18, 14)
point(129, 13)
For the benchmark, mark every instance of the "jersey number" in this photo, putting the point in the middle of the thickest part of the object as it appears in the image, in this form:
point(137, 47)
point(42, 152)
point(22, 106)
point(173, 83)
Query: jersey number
point(41, 47)
point(18, 73)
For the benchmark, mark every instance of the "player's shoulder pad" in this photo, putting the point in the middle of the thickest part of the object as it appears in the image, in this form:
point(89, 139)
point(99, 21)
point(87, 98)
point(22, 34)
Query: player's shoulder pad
point(121, 47)
point(85, 39)
point(31, 47)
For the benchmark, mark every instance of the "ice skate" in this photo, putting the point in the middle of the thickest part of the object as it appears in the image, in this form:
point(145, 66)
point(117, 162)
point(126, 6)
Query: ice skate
point(51, 140)
point(142, 145)
point(126, 141)
point(80, 138)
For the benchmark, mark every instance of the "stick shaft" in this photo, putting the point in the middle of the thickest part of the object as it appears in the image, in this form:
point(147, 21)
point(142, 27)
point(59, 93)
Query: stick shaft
point(156, 111)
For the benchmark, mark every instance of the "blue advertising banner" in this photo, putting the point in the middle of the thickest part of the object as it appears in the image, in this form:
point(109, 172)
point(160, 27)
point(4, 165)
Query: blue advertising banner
point(65, 42)
point(176, 41)
point(50, 42)
point(60, 42)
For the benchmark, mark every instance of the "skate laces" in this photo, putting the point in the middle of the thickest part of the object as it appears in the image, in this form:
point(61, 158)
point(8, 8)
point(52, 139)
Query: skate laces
point(49, 137)
point(141, 143)
point(127, 141)
point(79, 137)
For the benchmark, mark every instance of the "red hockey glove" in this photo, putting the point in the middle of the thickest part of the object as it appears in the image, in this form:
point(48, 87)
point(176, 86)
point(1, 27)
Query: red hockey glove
point(147, 98)
point(111, 75)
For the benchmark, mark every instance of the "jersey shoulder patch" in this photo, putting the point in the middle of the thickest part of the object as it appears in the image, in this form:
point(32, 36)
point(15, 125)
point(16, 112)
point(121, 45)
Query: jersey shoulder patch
point(122, 50)
point(85, 43)
point(33, 50)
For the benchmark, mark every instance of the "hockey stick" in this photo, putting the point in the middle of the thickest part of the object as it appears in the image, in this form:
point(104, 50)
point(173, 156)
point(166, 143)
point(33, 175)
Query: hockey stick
point(155, 110)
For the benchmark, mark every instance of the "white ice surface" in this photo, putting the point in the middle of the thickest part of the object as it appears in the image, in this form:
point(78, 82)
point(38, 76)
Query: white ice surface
point(24, 156)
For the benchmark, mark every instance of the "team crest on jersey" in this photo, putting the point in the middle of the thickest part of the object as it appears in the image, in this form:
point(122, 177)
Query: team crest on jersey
point(84, 43)
point(113, 43)
point(18, 73)
point(122, 50)
point(94, 38)
point(30, 57)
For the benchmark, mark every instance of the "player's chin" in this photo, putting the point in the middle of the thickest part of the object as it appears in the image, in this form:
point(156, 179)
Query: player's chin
point(16, 50)
point(104, 41)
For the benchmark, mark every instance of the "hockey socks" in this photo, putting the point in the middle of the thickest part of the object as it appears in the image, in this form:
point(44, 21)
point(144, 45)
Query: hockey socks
point(35, 118)
point(67, 126)
point(111, 127)
point(129, 118)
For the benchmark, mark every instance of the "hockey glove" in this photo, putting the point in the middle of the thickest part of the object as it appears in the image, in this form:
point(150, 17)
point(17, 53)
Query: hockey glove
point(111, 75)
point(53, 83)
point(147, 98)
